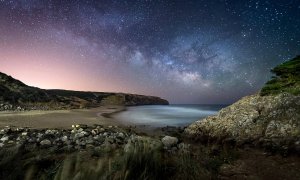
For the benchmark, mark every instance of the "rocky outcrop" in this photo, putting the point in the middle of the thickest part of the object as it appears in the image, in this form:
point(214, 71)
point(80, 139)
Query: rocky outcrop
point(267, 120)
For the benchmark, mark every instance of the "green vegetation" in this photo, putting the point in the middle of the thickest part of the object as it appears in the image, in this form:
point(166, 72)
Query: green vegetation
point(286, 79)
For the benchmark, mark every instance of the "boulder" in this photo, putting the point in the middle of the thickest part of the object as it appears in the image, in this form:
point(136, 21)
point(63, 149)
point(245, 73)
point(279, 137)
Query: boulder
point(45, 142)
point(80, 134)
point(4, 138)
point(24, 133)
point(95, 131)
point(121, 135)
point(64, 138)
point(169, 141)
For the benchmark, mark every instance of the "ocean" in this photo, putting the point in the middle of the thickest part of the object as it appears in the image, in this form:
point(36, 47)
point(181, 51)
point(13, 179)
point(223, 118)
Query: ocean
point(171, 115)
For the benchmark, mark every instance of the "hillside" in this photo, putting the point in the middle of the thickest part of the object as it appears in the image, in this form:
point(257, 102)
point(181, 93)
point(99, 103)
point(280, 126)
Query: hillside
point(270, 118)
point(15, 95)
point(14, 91)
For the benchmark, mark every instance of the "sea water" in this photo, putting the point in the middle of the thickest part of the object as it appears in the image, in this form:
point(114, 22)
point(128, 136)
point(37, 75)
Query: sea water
point(171, 115)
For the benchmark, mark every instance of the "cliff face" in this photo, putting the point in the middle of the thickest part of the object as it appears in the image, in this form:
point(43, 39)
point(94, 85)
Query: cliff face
point(271, 119)
point(133, 100)
point(15, 95)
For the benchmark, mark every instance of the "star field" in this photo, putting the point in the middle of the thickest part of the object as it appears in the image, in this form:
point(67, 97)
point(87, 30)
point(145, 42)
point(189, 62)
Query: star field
point(185, 51)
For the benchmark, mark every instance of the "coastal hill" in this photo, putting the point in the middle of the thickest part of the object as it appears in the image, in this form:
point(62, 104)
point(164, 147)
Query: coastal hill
point(15, 95)
point(270, 118)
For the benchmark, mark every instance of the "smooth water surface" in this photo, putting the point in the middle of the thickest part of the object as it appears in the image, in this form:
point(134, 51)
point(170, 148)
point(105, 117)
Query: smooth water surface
point(172, 115)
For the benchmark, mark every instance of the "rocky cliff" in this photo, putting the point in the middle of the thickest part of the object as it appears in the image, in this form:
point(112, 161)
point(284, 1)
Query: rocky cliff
point(133, 100)
point(15, 95)
point(271, 119)
point(257, 119)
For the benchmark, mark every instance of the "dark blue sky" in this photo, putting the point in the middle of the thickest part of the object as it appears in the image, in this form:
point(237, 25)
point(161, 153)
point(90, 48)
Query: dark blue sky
point(212, 51)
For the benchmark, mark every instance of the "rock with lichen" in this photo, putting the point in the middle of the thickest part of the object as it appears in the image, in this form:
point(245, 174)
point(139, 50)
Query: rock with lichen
point(274, 119)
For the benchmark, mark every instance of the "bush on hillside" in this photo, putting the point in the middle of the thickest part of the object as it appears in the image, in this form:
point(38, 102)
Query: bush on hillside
point(286, 79)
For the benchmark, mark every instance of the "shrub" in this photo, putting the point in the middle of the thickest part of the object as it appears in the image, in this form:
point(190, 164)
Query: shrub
point(286, 79)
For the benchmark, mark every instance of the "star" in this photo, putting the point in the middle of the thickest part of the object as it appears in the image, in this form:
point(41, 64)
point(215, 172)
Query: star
point(211, 50)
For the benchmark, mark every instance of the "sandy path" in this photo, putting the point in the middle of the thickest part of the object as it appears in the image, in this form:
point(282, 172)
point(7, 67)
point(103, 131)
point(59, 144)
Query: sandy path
point(59, 119)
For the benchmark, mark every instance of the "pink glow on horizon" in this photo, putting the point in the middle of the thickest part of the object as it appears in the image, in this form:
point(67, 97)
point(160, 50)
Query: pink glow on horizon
point(52, 72)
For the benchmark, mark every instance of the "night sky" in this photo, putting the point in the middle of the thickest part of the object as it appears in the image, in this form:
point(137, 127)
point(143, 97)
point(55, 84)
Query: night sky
point(206, 52)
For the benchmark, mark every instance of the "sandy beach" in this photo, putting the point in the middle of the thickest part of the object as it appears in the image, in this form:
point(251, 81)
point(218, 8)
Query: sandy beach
point(60, 118)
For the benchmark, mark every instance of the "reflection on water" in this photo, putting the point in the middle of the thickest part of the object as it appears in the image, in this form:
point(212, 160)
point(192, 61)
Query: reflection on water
point(172, 115)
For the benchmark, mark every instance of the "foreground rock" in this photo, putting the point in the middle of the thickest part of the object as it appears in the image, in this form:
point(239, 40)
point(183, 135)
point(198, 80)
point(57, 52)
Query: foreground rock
point(169, 141)
point(261, 120)
point(80, 137)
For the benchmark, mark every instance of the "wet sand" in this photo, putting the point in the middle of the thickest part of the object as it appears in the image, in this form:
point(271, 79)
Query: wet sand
point(60, 118)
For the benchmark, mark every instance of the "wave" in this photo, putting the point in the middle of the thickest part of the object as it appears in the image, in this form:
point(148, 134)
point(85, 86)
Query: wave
point(160, 116)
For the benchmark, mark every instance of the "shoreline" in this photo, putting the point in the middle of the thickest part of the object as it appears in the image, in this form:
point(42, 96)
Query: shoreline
point(64, 119)
point(61, 119)
point(110, 114)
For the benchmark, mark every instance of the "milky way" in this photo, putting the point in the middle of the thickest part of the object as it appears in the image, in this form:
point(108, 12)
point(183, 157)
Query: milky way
point(213, 51)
